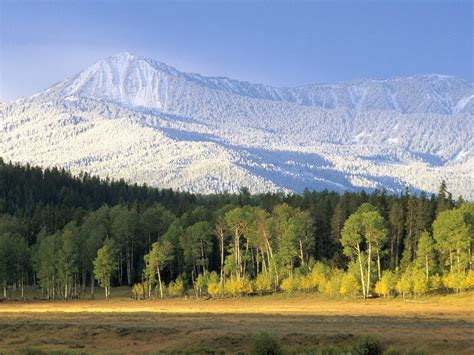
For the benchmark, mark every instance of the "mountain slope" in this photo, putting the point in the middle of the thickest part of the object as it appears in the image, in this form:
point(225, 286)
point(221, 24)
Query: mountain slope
point(132, 117)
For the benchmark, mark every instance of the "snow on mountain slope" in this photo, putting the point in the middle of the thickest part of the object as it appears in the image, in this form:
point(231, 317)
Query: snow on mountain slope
point(135, 118)
point(137, 81)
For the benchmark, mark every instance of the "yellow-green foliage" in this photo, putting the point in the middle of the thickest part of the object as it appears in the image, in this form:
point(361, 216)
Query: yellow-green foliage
point(419, 281)
point(176, 288)
point(214, 287)
point(386, 284)
point(404, 283)
point(436, 282)
point(350, 285)
point(469, 282)
point(455, 280)
point(233, 287)
point(263, 282)
point(332, 286)
point(306, 283)
point(290, 284)
point(139, 291)
point(247, 285)
point(236, 286)
point(318, 276)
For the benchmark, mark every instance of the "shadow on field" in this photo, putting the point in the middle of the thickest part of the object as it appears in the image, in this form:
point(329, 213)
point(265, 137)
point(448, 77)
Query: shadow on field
point(209, 332)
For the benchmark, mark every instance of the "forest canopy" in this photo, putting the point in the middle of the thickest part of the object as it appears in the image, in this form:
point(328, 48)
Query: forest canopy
point(61, 233)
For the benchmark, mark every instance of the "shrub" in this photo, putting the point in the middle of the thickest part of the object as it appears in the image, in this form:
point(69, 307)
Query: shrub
point(200, 284)
point(420, 282)
point(265, 344)
point(469, 282)
point(263, 282)
point(213, 285)
point(455, 280)
point(349, 284)
point(237, 286)
point(290, 284)
point(386, 284)
point(139, 291)
point(305, 283)
point(436, 282)
point(404, 284)
point(318, 276)
point(247, 286)
point(333, 285)
point(176, 288)
point(367, 346)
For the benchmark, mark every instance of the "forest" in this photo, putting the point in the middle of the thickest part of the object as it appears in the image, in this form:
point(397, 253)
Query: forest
point(63, 235)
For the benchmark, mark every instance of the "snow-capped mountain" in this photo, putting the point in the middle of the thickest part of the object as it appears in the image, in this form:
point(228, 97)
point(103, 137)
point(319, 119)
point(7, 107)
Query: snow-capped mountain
point(131, 117)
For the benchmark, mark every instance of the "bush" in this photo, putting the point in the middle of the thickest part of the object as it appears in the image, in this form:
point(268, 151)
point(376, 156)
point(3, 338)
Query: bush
point(436, 282)
point(455, 280)
point(349, 284)
point(200, 285)
point(238, 286)
point(263, 283)
point(386, 284)
point(265, 344)
point(420, 282)
point(213, 285)
point(176, 288)
point(469, 283)
point(367, 346)
point(332, 286)
point(290, 284)
point(319, 275)
point(139, 291)
point(404, 284)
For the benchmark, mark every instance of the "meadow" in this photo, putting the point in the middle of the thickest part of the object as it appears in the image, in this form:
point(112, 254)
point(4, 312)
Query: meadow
point(442, 324)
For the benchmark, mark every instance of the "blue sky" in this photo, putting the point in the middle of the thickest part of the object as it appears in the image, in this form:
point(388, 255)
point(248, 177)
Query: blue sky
point(284, 43)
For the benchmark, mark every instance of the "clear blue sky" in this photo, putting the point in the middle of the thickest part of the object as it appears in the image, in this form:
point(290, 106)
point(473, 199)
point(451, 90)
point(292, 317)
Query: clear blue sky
point(276, 42)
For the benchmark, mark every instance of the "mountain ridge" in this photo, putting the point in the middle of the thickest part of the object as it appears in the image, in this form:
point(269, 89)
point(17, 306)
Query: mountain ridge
point(356, 94)
point(126, 118)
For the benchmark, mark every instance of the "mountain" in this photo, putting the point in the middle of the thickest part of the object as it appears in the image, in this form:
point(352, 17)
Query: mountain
point(135, 118)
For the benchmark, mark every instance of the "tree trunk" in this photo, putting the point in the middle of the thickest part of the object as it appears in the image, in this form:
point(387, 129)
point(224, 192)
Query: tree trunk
point(368, 268)
point(54, 291)
point(378, 264)
point(301, 253)
point(159, 282)
point(120, 269)
point(450, 261)
point(222, 256)
point(84, 281)
point(427, 267)
point(92, 286)
point(129, 266)
point(361, 271)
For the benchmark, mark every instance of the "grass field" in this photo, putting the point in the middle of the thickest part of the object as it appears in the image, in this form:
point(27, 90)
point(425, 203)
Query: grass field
point(436, 324)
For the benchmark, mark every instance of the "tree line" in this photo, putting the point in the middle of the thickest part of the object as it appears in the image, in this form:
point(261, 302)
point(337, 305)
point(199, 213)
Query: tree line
point(64, 234)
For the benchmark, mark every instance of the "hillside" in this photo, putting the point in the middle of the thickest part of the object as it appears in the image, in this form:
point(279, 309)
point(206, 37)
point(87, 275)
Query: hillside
point(144, 121)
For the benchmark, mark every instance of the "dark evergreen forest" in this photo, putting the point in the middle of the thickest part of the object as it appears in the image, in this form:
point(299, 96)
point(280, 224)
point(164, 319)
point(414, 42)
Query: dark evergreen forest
point(62, 234)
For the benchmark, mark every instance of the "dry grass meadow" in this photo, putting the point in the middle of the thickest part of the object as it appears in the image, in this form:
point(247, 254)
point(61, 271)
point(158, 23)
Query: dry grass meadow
point(304, 323)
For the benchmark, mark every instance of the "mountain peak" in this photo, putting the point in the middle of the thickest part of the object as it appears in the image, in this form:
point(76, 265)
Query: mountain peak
point(132, 80)
point(124, 55)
